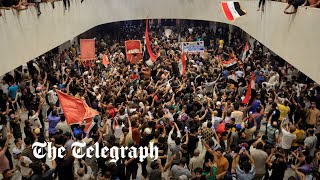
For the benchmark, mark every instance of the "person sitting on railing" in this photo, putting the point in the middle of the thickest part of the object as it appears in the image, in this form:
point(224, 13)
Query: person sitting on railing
point(37, 5)
point(295, 4)
point(3, 7)
point(312, 3)
point(16, 4)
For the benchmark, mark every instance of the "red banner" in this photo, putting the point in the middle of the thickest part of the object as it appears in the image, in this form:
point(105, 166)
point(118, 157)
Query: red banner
point(87, 49)
point(133, 50)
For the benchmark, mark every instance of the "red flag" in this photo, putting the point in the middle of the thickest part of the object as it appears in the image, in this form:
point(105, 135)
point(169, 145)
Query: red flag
point(105, 60)
point(90, 112)
point(75, 109)
point(248, 94)
point(87, 49)
point(152, 56)
point(183, 64)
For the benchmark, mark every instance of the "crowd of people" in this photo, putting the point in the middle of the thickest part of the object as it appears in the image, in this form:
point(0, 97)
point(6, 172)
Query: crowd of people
point(197, 120)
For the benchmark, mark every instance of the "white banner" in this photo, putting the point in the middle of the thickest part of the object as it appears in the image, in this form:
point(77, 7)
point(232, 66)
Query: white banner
point(167, 32)
point(193, 47)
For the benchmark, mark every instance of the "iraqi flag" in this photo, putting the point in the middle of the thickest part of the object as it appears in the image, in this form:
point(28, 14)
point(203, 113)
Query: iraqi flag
point(232, 10)
point(246, 52)
point(230, 63)
point(183, 65)
point(250, 87)
point(146, 58)
point(152, 56)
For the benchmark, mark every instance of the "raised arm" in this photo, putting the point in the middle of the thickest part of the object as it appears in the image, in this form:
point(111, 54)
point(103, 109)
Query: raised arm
point(45, 78)
point(204, 115)
point(68, 86)
point(178, 131)
point(40, 105)
point(207, 147)
point(187, 137)
point(5, 147)
point(249, 157)
point(269, 160)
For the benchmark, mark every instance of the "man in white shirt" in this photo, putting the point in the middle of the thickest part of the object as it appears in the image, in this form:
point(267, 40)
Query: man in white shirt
point(260, 158)
point(35, 121)
point(287, 137)
point(80, 172)
point(311, 141)
point(23, 163)
point(4, 86)
point(63, 126)
point(236, 114)
point(197, 160)
point(273, 80)
point(52, 95)
point(171, 138)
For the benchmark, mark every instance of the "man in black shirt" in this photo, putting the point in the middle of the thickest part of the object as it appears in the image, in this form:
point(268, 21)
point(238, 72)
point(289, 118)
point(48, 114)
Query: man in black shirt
point(193, 141)
point(275, 112)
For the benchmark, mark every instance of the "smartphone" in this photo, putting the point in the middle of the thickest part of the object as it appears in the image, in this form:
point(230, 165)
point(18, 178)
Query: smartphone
point(185, 129)
point(274, 113)
point(212, 127)
point(192, 83)
point(161, 122)
point(243, 148)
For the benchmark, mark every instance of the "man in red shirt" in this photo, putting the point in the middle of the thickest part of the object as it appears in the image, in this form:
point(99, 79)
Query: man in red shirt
point(136, 135)
point(135, 76)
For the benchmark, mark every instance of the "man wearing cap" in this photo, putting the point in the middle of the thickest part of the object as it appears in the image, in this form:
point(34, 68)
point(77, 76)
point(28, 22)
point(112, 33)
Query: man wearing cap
point(22, 164)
